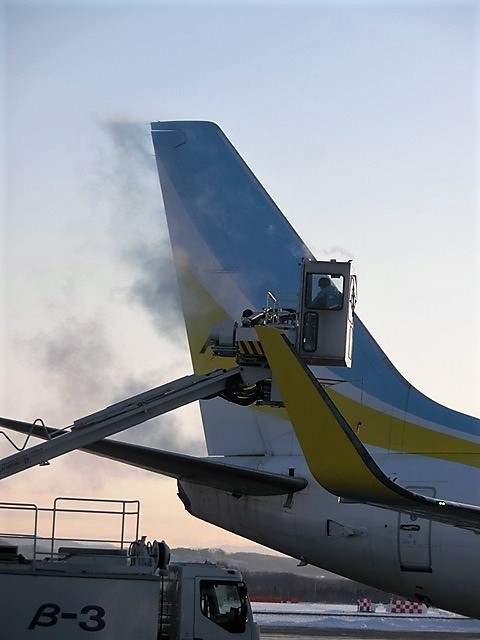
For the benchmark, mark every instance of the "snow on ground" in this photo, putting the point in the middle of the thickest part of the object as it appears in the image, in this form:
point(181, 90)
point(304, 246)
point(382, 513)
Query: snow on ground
point(343, 616)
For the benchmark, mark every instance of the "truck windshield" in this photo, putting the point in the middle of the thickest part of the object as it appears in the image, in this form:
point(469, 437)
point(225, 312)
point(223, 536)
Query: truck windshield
point(225, 604)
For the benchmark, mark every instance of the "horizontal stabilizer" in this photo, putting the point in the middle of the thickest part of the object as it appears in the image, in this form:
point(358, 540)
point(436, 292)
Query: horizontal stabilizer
point(335, 455)
point(212, 473)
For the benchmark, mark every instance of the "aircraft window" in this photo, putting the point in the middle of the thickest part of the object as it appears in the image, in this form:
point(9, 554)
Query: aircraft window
point(325, 291)
point(225, 604)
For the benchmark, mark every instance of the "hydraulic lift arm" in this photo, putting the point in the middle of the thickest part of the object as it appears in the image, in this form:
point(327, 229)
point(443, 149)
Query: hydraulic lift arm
point(121, 416)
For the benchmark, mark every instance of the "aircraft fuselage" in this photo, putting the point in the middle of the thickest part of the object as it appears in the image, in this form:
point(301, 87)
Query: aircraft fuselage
point(399, 553)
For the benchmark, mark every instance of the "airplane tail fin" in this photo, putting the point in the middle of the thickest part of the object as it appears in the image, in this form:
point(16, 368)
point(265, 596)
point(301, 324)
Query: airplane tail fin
point(231, 244)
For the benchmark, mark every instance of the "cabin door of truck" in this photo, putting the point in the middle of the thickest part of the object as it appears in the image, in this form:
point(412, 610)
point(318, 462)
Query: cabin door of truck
point(219, 610)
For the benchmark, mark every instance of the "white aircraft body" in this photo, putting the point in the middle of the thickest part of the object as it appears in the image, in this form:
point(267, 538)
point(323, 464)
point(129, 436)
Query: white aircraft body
point(396, 505)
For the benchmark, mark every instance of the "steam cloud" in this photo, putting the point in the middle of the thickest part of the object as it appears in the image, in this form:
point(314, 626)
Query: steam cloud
point(82, 368)
point(135, 194)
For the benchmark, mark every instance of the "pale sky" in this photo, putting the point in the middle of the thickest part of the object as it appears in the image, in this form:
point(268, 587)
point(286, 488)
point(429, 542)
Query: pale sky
point(359, 118)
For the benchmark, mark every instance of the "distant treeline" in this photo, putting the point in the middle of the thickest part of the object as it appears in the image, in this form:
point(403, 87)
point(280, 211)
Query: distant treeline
point(287, 586)
point(281, 578)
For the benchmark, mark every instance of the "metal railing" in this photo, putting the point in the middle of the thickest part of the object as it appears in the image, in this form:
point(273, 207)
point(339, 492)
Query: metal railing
point(125, 514)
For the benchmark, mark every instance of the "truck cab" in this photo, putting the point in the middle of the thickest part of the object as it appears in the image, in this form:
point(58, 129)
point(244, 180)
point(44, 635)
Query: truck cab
point(214, 601)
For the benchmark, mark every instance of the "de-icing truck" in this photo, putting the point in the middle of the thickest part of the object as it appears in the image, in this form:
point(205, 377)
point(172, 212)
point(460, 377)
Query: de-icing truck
point(111, 592)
